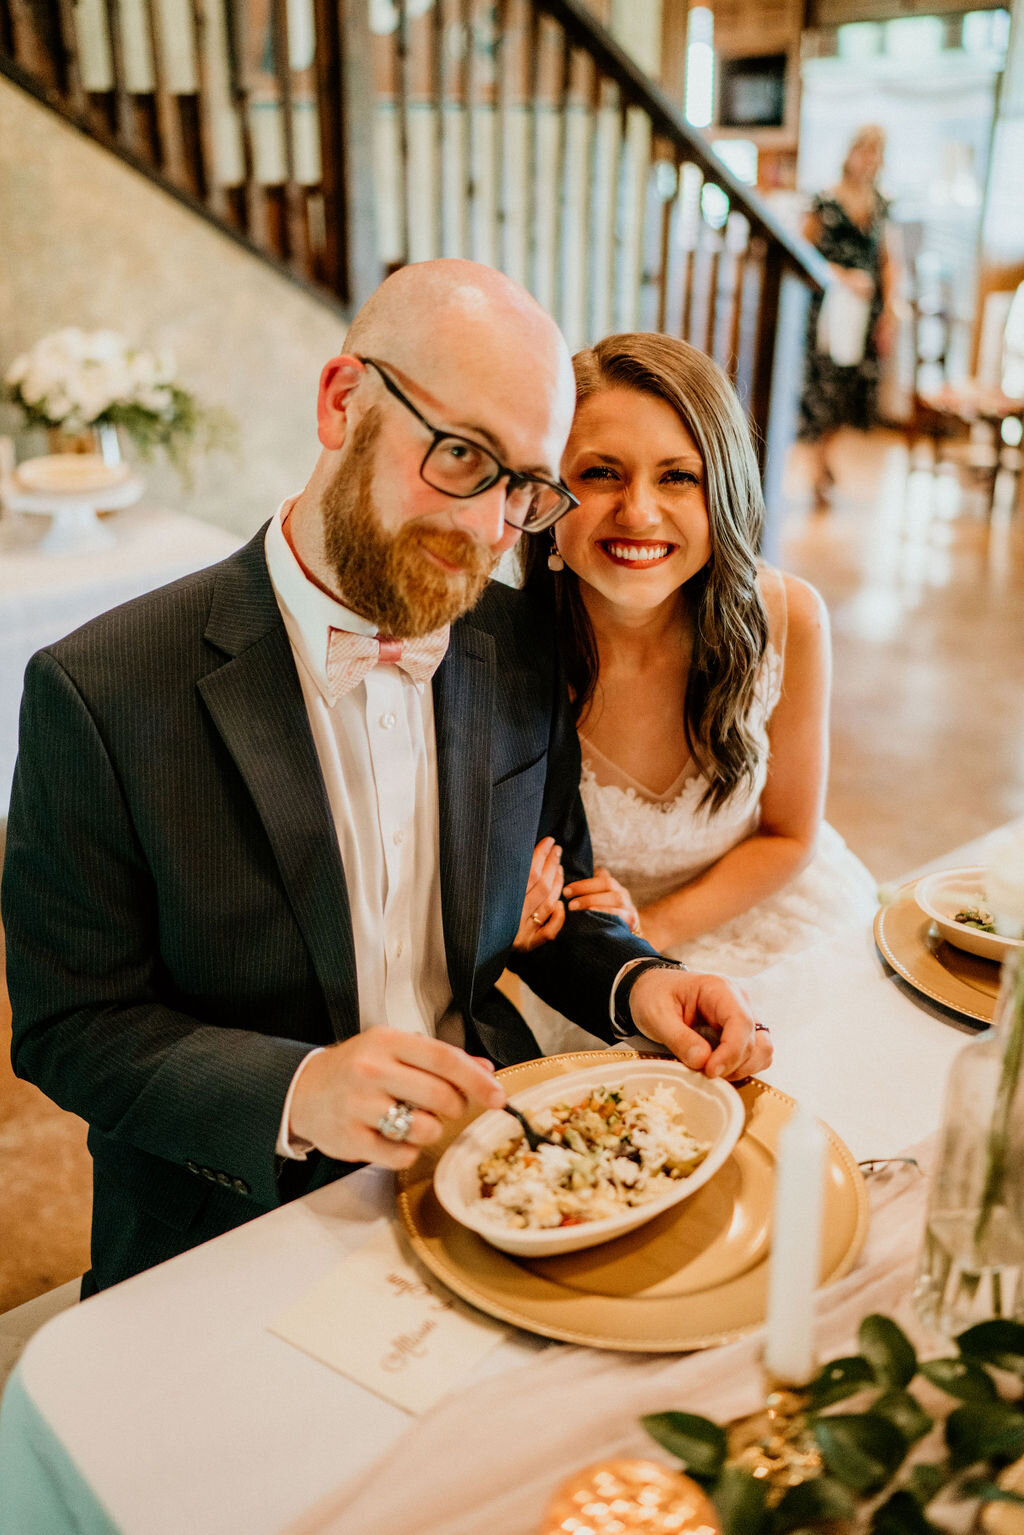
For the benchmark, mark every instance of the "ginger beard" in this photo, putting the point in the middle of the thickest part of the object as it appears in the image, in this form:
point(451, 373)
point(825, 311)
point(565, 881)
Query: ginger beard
point(384, 576)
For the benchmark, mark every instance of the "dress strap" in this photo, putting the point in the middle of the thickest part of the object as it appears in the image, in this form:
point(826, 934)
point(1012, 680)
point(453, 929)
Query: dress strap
point(775, 582)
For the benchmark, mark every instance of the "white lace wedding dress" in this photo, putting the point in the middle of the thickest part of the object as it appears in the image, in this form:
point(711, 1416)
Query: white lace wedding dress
point(653, 843)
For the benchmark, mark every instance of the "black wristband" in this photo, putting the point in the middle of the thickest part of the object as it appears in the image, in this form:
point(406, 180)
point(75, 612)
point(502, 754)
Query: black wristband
point(623, 1015)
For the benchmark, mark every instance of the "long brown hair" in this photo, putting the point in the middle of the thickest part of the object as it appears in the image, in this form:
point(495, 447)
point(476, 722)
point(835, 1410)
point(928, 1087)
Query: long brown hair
point(731, 627)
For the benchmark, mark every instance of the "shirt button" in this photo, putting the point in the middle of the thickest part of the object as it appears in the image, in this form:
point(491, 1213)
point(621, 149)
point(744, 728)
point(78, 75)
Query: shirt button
point(388, 721)
point(398, 837)
point(399, 949)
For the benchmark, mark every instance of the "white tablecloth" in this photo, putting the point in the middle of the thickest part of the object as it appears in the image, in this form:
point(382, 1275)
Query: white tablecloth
point(597, 1399)
point(45, 596)
point(180, 1410)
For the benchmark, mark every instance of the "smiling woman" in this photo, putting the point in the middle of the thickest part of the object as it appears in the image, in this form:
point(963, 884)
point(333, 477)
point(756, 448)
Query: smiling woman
point(700, 678)
point(639, 477)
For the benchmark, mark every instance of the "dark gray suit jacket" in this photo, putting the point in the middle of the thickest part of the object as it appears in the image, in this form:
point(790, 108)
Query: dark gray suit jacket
point(177, 921)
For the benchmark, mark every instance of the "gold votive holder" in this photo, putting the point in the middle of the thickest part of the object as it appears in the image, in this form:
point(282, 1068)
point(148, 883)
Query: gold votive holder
point(776, 1443)
point(612, 1497)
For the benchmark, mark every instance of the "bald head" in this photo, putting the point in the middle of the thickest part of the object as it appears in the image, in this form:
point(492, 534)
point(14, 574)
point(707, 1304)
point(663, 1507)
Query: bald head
point(457, 325)
point(412, 308)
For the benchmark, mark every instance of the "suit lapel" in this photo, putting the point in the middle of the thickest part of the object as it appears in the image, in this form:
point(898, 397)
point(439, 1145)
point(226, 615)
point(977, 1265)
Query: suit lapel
point(256, 703)
point(464, 698)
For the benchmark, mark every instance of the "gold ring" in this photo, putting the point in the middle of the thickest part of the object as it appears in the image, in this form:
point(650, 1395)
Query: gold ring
point(536, 917)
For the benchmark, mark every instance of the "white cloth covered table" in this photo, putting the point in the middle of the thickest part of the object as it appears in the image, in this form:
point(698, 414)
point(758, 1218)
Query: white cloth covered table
point(178, 1410)
point(425, 1487)
point(45, 596)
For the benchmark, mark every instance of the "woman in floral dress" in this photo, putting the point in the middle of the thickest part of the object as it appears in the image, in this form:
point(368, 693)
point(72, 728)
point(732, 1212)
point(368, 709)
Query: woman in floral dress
point(847, 224)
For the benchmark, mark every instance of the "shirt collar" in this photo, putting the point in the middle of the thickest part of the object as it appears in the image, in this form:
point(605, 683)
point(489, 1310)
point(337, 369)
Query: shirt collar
point(309, 613)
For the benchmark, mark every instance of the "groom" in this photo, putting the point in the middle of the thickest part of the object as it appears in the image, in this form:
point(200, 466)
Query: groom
point(271, 826)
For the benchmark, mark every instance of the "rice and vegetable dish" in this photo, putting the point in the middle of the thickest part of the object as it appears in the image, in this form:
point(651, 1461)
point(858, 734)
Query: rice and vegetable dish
point(976, 916)
point(614, 1152)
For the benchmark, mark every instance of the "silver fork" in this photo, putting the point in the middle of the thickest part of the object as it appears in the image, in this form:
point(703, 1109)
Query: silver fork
point(534, 1137)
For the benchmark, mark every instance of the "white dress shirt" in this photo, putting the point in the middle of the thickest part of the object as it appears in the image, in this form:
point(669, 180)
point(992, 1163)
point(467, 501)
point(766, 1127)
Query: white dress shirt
point(377, 753)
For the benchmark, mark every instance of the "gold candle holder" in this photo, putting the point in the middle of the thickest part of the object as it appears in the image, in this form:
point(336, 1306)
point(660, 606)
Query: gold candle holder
point(776, 1444)
point(613, 1497)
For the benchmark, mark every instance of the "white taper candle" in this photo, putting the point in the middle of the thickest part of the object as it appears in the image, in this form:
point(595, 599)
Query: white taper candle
point(796, 1249)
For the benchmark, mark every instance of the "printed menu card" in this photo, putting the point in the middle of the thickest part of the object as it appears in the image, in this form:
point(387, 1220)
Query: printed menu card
point(380, 1320)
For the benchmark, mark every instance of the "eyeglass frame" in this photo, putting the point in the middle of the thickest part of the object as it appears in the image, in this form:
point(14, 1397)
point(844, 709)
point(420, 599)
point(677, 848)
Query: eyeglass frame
point(503, 471)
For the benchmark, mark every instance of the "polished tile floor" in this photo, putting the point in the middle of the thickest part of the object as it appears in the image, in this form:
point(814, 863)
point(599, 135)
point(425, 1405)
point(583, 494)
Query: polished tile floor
point(926, 594)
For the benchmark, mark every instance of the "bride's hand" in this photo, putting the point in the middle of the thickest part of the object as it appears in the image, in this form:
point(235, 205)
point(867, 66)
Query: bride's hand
point(603, 893)
point(543, 912)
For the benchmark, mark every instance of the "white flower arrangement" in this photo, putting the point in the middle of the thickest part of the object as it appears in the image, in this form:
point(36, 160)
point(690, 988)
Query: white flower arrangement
point(79, 379)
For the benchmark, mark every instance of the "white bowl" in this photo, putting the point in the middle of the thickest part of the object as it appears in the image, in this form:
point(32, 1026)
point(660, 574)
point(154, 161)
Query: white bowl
point(713, 1112)
point(940, 896)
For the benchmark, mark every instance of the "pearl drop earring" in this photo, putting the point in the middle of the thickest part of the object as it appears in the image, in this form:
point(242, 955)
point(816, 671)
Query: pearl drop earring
point(555, 561)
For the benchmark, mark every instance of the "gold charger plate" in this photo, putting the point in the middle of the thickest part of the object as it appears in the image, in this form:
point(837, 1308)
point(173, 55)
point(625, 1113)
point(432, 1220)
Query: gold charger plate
point(694, 1277)
point(911, 943)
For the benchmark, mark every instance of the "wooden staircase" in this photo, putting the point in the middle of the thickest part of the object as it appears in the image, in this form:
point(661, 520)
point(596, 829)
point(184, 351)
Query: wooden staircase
point(515, 132)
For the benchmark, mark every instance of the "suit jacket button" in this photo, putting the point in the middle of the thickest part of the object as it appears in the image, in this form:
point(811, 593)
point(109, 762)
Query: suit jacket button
point(208, 1173)
point(226, 1180)
point(239, 1185)
point(193, 1167)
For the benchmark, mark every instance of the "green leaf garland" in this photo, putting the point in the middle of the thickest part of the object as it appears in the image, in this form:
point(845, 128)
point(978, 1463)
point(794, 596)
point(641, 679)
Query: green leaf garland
point(864, 1479)
point(697, 1442)
point(888, 1351)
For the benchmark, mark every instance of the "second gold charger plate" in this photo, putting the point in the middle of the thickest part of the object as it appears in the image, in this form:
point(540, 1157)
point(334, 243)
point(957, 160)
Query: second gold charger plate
point(910, 942)
point(693, 1278)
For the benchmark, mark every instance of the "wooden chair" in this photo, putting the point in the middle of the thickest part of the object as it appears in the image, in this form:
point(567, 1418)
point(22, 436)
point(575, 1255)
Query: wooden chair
point(975, 422)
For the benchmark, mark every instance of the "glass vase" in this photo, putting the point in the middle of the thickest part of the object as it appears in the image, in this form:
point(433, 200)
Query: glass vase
point(103, 439)
point(972, 1262)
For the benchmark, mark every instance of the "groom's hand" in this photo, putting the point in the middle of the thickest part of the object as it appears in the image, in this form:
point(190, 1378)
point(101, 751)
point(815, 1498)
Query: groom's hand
point(344, 1092)
point(666, 1004)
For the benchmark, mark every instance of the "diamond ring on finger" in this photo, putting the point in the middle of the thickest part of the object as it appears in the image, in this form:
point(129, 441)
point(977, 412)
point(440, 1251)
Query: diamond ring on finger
point(397, 1122)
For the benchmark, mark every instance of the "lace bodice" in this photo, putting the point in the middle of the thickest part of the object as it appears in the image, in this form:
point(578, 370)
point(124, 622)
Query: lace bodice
point(654, 846)
point(656, 843)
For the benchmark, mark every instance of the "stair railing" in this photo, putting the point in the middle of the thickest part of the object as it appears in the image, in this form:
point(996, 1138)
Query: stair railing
point(344, 138)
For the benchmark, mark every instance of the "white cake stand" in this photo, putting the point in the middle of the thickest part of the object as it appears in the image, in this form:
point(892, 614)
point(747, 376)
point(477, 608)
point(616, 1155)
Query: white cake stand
point(74, 526)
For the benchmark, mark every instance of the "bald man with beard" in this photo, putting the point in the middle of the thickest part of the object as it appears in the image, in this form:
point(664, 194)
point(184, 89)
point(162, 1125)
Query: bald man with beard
point(271, 829)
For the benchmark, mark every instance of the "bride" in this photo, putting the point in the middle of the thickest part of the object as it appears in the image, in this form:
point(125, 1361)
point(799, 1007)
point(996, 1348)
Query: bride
point(700, 680)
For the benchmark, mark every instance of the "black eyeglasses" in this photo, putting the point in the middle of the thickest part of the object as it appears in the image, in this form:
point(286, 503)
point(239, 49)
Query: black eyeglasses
point(459, 467)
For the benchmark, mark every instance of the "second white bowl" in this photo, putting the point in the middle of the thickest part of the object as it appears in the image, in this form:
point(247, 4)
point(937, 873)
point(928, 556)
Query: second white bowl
point(940, 896)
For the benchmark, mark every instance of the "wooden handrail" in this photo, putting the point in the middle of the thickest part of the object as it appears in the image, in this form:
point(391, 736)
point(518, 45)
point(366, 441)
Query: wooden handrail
point(559, 161)
point(85, 123)
point(640, 91)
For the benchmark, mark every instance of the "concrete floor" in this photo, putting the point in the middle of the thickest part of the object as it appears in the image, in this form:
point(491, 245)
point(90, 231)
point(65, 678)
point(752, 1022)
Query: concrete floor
point(926, 594)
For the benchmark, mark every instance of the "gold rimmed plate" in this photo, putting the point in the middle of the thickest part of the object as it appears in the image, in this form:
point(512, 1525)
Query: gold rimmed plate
point(694, 1277)
point(910, 942)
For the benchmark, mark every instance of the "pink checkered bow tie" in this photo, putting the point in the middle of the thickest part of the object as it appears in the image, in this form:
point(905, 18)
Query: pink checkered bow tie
point(351, 656)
